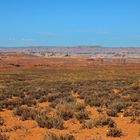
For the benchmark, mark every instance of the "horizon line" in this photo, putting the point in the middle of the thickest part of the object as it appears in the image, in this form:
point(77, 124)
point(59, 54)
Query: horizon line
point(68, 46)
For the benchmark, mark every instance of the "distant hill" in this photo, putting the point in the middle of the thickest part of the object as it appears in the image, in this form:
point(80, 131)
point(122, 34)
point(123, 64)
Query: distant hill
point(92, 51)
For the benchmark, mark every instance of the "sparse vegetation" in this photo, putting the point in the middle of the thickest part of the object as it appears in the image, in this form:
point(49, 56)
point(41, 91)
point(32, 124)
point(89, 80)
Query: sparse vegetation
point(1, 121)
point(114, 132)
point(52, 136)
point(3, 137)
point(44, 120)
point(70, 98)
point(99, 122)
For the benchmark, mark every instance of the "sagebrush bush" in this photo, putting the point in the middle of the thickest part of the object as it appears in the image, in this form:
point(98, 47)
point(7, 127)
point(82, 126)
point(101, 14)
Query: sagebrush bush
point(1, 121)
point(44, 120)
point(114, 132)
point(127, 113)
point(52, 136)
point(118, 106)
point(3, 137)
point(93, 101)
point(67, 137)
point(25, 113)
point(138, 120)
point(112, 113)
point(82, 115)
point(58, 123)
point(65, 111)
point(99, 122)
point(79, 106)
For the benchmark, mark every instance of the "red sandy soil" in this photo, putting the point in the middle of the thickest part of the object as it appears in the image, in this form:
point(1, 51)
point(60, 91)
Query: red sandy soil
point(31, 131)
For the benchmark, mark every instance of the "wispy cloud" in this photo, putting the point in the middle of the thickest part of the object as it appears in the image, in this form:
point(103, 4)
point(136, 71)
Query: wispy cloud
point(48, 34)
point(102, 32)
point(13, 39)
point(92, 31)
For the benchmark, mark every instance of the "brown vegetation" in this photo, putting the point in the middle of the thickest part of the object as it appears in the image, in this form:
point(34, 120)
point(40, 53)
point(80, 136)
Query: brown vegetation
point(82, 102)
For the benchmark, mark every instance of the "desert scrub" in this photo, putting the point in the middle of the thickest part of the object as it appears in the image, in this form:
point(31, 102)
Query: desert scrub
point(26, 113)
point(58, 123)
point(65, 111)
point(118, 106)
point(112, 113)
point(28, 101)
point(114, 132)
point(67, 137)
point(52, 97)
point(127, 113)
point(99, 122)
point(69, 99)
point(3, 137)
point(82, 115)
point(139, 132)
point(79, 106)
point(52, 136)
point(45, 121)
point(1, 121)
point(13, 128)
point(97, 102)
point(42, 99)
point(138, 120)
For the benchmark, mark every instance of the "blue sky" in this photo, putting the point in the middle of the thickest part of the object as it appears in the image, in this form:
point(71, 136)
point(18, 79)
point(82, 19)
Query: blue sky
point(113, 23)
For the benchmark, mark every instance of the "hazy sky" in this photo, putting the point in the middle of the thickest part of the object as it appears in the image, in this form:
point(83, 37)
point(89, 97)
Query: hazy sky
point(70, 22)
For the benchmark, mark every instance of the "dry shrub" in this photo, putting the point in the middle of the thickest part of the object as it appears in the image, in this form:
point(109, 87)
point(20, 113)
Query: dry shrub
point(112, 113)
point(65, 111)
point(1, 121)
point(52, 136)
point(44, 120)
point(99, 122)
point(25, 113)
point(3, 137)
point(114, 132)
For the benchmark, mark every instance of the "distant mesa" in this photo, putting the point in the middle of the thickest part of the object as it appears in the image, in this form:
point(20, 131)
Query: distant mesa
point(82, 50)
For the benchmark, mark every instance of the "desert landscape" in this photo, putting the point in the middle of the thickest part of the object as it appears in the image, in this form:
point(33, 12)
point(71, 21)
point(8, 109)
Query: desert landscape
point(69, 97)
point(69, 69)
